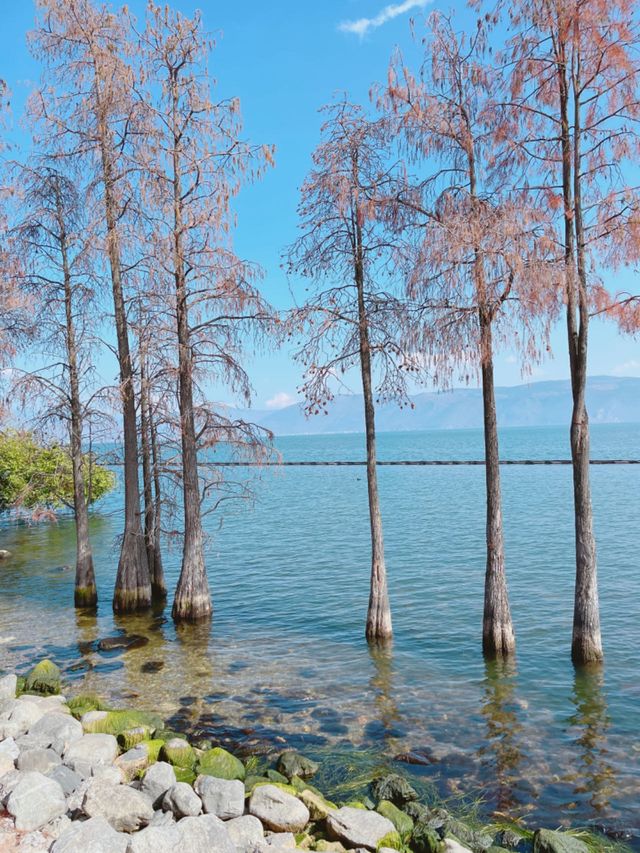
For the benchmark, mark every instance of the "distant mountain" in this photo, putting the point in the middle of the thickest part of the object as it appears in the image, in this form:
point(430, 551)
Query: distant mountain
point(610, 399)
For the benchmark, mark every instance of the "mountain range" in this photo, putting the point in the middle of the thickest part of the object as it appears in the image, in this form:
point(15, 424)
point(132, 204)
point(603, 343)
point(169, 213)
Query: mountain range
point(610, 399)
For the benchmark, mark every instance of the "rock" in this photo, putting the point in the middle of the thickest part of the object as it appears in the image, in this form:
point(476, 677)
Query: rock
point(8, 783)
point(9, 747)
point(318, 807)
point(279, 810)
point(547, 841)
point(128, 641)
point(35, 800)
point(393, 788)
point(220, 763)
point(90, 836)
point(358, 827)
point(7, 763)
point(133, 736)
point(281, 840)
point(116, 722)
point(133, 761)
point(417, 811)
point(67, 778)
point(204, 834)
point(425, 839)
point(23, 716)
point(178, 753)
point(57, 826)
point(402, 822)
point(325, 845)
point(472, 838)
point(182, 801)
point(40, 760)
point(108, 773)
point(61, 729)
point(92, 749)
point(157, 781)
point(156, 839)
point(124, 808)
point(4, 554)
point(223, 798)
point(43, 678)
point(291, 764)
point(245, 830)
point(451, 845)
point(8, 684)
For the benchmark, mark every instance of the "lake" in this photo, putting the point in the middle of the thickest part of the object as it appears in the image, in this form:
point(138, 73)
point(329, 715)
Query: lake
point(285, 662)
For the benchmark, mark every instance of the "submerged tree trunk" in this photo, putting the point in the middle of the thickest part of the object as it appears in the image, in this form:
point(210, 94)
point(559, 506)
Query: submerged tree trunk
point(192, 601)
point(85, 593)
point(158, 589)
point(379, 627)
point(133, 586)
point(586, 644)
point(498, 638)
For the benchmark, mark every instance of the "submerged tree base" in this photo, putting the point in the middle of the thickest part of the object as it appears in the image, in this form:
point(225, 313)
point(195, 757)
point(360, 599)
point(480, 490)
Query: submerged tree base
point(133, 583)
point(498, 640)
point(85, 596)
point(192, 608)
point(132, 600)
point(586, 648)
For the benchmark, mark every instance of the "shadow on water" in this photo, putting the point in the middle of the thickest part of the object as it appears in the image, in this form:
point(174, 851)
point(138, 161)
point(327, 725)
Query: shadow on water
point(502, 748)
point(595, 778)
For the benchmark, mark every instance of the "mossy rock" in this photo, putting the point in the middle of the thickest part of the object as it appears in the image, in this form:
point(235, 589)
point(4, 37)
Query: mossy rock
point(424, 839)
point(318, 807)
point(221, 764)
point(402, 822)
point(84, 703)
point(185, 774)
point(132, 737)
point(417, 811)
point(116, 722)
point(168, 734)
point(292, 763)
point(477, 840)
point(20, 682)
point(252, 782)
point(548, 841)
point(393, 788)
point(329, 846)
point(154, 745)
point(392, 840)
point(289, 789)
point(355, 804)
point(275, 776)
point(43, 678)
point(178, 753)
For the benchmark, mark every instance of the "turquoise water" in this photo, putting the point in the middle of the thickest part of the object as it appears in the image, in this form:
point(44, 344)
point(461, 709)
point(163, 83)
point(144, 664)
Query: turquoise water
point(285, 661)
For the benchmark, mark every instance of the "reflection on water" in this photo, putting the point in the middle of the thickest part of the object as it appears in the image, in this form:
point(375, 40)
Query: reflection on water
point(384, 696)
point(502, 743)
point(595, 776)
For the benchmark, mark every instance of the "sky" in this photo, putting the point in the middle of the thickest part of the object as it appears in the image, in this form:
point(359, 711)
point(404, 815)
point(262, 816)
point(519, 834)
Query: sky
point(284, 60)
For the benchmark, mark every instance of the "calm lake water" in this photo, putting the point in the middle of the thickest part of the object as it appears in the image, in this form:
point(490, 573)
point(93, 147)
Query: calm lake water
point(285, 662)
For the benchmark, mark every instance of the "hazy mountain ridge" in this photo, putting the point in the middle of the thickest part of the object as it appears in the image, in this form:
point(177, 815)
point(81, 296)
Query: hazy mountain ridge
point(610, 399)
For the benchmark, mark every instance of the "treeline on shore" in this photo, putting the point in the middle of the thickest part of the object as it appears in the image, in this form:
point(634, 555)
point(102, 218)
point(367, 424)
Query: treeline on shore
point(482, 195)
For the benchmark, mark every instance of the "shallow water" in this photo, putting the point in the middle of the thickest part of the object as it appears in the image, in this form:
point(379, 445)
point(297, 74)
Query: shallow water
point(285, 662)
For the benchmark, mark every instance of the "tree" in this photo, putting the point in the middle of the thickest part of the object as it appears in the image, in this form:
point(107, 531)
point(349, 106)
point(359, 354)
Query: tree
point(40, 478)
point(88, 112)
point(572, 118)
point(57, 269)
point(194, 162)
point(477, 282)
point(348, 246)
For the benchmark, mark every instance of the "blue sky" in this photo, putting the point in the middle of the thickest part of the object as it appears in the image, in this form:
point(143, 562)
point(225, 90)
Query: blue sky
point(285, 59)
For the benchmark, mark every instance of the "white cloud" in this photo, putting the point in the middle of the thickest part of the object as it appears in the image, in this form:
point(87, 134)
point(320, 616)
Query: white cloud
point(362, 26)
point(629, 368)
point(280, 400)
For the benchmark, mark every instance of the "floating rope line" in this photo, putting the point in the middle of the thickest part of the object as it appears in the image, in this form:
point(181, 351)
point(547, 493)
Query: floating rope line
point(353, 462)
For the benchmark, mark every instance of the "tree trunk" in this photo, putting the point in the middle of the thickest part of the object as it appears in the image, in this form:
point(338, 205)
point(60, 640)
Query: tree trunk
point(85, 593)
point(498, 638)
point(379, 627)
point(159, 584)
point(133, 585)
point(192, 601)
point(586, 644)
point(158, 590)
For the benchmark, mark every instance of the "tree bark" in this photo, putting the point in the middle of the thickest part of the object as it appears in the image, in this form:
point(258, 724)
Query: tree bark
point(85, 593)
point(158, 589)
point(133, 585)
point(498, 638)
point(158, 580)
point(379, 628)
point(192, 601)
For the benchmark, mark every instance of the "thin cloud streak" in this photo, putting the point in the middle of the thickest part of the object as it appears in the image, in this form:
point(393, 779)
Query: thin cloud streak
point(362, 26)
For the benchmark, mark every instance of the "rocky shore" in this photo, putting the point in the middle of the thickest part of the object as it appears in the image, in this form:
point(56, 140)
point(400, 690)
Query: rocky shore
point(77, 777)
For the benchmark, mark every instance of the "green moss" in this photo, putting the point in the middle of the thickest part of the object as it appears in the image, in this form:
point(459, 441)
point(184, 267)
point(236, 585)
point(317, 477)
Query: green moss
point(253, 781)
point(131, 737)
point(185, 774)
point(277, 777)
point(179, 753)
point(355, 804)
point(116, 722)
point(220, 763)
point(85, 702)
point(85, 596)
point(392, 840)
point(288, 788)
point(399, 819)
point(154, 746)
point(43, 678)
point(20, 682)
